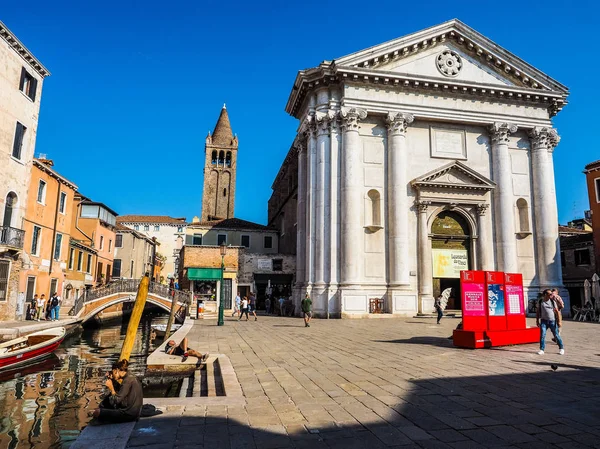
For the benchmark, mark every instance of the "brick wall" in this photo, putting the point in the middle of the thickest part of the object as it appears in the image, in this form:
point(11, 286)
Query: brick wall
point(8, 308)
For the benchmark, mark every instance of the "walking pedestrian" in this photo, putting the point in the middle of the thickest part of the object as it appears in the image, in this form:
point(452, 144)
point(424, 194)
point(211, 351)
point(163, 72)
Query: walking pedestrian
point(548, 317)
point(306, 306)
point(438, 308)
point(244, 305)
point(236, 306)
point(268, 305)
point(252, 305)
point(41, 302)
point(560, 304)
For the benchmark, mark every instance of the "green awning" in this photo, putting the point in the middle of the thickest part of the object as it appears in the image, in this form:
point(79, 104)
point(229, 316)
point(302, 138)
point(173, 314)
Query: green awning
point(204, 274)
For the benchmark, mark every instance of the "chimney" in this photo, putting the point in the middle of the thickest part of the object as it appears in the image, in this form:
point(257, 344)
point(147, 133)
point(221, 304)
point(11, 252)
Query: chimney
point(43, 158)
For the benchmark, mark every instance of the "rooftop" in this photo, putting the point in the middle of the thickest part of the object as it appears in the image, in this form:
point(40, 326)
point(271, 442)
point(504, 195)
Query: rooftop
point(18, 46)
point(222, 134)
point(233, 223)
point(164, 219)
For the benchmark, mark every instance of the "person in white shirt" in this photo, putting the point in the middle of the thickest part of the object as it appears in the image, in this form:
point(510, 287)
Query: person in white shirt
point(236, 307)
point(244, 309)
point(41, 302)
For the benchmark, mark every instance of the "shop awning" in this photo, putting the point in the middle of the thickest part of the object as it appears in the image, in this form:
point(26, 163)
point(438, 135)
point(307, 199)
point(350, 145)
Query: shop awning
point(204, 274)
point(285, 279)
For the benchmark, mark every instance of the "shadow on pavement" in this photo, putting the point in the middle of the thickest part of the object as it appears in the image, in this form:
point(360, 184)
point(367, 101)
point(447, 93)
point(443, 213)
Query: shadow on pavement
point(431, 341)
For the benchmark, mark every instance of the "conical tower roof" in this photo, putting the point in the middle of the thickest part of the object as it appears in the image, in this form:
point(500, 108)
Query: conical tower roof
point(222, 134)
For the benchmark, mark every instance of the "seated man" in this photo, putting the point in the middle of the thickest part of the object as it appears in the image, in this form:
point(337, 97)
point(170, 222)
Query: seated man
point(182, 349)
point(126, 397)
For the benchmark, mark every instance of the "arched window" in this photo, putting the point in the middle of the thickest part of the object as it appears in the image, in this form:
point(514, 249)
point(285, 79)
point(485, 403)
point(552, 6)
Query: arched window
point(9, 205)
point(228, 159)
point(225, 192)
point(214, 157)
point(523, 215)
point(373, 212)
point(221, 158)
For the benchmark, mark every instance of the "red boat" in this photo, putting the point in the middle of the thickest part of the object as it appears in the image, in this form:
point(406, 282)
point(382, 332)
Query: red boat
point(29, 348)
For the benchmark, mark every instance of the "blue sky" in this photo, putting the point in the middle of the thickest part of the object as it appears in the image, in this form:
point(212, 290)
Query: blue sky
point(136, 85)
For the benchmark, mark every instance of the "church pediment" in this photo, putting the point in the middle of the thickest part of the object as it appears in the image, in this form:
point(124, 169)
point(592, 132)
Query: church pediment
point(451, 51)
point(455, 175)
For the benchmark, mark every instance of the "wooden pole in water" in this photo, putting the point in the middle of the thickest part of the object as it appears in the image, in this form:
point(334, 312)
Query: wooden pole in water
point(172, 314)
point(136, 315)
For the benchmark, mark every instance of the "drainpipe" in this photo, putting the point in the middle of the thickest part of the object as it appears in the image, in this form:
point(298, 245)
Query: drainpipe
point(52, 249)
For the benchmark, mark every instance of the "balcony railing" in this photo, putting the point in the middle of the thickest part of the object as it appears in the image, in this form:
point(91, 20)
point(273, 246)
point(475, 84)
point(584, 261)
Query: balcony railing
point(12, 237)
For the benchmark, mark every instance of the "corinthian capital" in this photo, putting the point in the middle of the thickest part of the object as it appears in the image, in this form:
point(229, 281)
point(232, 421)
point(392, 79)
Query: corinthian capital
point(397, 122)
point(308, 128)
point(422, 205)
point(350, 118)
point(322, 121)
point(482, 209)
point(501, 131)
point(543, 138)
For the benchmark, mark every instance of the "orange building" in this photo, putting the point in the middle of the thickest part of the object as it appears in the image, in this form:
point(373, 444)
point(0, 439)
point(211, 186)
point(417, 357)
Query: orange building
point(592, 174)
point(47, 226)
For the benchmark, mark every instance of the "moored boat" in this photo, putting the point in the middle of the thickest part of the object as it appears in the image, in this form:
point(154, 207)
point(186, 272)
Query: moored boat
point(161, 329)
point(35, 346)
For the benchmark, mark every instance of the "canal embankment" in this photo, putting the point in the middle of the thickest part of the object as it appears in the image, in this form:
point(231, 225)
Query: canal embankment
point(16, 329)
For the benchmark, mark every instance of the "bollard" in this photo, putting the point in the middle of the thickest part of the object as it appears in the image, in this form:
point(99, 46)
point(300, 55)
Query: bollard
point(136, 315)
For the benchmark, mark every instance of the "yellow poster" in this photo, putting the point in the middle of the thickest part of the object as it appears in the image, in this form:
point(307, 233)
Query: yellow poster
point(448, 263)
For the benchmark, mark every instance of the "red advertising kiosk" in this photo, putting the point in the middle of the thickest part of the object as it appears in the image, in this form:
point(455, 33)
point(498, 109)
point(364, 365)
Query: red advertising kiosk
point(493, 311)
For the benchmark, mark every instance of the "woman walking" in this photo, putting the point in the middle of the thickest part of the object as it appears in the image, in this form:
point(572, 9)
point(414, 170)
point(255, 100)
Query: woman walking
point(244, 309)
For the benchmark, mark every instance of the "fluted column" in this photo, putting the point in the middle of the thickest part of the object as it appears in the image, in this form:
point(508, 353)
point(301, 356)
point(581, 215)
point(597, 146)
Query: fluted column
point(352, 186)
point(301, 216)
point(334, 202)
point(322, 203)
point(425, 261)
point(543, 141)
point(504, 210)
point(484, 242)
point(311, 178)
point(397, 203)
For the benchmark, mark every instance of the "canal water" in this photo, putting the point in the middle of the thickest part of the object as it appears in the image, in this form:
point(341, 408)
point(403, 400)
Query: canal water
point(45, 405)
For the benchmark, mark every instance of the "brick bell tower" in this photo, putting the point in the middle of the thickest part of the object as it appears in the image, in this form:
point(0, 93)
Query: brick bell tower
point(220, 150)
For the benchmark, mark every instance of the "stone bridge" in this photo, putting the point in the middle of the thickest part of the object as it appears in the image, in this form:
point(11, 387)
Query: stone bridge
point(91, 302)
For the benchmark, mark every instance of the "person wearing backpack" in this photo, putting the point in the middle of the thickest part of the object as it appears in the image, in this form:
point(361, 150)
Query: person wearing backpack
point(54, 306)
point(548, 317)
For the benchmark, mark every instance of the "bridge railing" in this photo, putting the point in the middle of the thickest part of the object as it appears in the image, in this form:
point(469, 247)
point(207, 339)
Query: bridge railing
point(129, 285)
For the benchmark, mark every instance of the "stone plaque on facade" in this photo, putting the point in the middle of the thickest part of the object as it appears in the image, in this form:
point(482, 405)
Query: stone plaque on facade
point(265, 264)
point(448, 143)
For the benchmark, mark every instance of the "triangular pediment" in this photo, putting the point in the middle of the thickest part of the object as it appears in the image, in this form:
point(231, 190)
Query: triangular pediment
point(454, 175)
point(451, 51)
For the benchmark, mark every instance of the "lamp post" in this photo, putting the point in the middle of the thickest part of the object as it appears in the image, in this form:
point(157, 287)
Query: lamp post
point(223, 249)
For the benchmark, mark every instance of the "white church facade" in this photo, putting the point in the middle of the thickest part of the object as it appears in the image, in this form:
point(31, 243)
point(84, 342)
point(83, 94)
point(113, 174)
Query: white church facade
point(417, 158)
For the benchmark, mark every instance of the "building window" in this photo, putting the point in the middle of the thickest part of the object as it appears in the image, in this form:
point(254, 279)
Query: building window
point(136, 227)
point(62, 204)
point(99, 272)
point(80, 261)
point(228, 159)
point(101, 242)
point(10, 203)
point(119, 241)
point(71, 258)
point(268, 243)
point(109, 245)
point(582, 256)
point(58, 247)
point(116, 271)
point(597, 185)
point(277, 264)
point(89, 264)
point(28, 84)
point(221, 238)
point(197, 239)
point(245, 241)
point(18, 142)
point(213, 160)
point(4, 269)
point(221, 158)
point(41, 196)
point(35, 241)
point(131, 269)
point(156, 227)
point(146, 227)
point(224, 192)
point(179, 228)
point(523, 209)
point(563, 261)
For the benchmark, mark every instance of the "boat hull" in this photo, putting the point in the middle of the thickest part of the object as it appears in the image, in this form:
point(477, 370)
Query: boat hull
point(31, 353)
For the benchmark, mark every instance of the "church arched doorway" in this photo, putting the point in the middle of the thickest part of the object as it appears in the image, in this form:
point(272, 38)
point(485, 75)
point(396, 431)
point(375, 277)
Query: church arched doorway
point(451, 253)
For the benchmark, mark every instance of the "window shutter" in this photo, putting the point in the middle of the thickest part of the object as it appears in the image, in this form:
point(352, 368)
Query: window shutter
point(33, 88)
point(22, 80)
point(18, 141)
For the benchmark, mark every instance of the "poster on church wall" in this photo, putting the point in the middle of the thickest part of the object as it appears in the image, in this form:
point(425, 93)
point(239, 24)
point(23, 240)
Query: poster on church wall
point(448, 263)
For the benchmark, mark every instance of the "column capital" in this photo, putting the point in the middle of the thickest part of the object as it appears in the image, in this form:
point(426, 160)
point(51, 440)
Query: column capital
point(543, 138)
point(299, 146)
point(397, 122)
point(308, 128)
point(350, 118)
point(324, 120)
point(501, 131)
point(482, 209)
point(422, 206)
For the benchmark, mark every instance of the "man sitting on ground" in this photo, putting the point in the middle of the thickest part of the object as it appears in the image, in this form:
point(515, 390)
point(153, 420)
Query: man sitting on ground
point(126, 397)
point(182, 349)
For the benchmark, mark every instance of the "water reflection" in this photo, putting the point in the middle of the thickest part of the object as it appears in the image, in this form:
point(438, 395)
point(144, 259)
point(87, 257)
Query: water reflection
point(45, 405)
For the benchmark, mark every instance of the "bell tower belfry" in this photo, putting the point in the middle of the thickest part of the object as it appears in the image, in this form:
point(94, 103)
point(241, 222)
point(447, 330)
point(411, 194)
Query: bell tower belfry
point(220, 162)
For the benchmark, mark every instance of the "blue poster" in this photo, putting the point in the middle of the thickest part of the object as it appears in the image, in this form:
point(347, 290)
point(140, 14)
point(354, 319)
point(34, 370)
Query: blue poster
point(496, 299)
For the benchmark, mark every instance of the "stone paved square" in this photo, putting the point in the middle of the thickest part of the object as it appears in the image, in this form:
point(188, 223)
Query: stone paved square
point(377, 383)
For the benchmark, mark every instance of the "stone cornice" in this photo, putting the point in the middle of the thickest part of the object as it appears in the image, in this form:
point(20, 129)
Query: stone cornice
point(18, 46)
point(431, 179)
